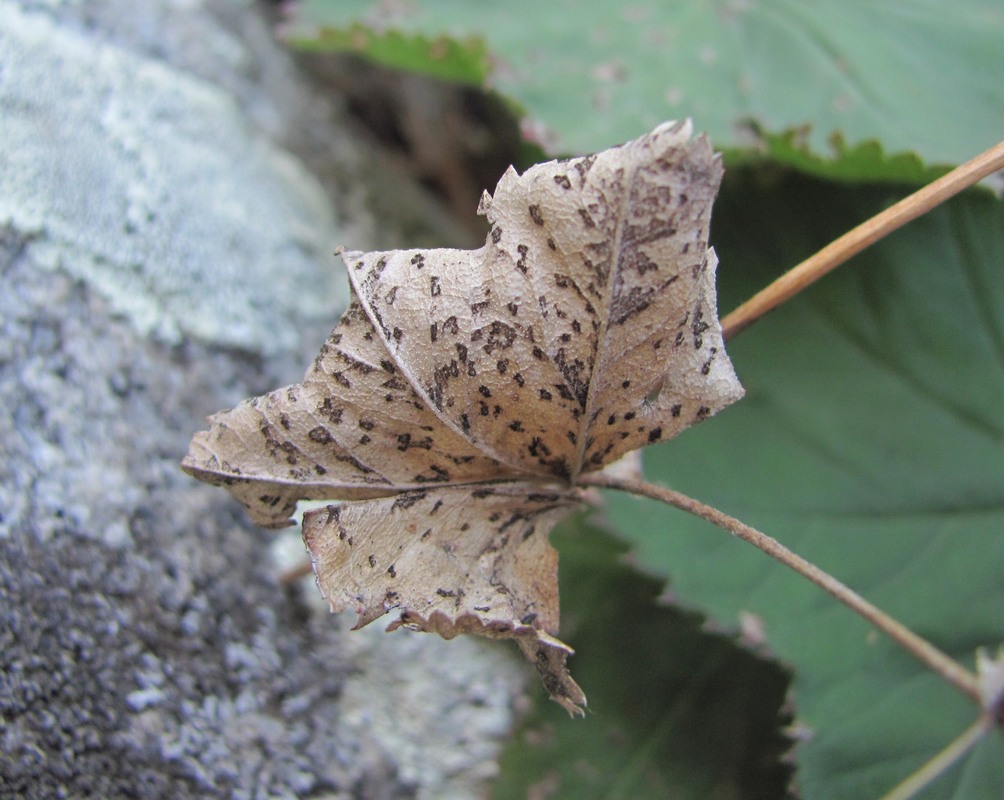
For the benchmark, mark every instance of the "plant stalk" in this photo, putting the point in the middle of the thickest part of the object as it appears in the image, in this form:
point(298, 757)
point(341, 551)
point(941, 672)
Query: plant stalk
point(864, 235)
point(961, 745)
point(295, 573)
point(920, 648)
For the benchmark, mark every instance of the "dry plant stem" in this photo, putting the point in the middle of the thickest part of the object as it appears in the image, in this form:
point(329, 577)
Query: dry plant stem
point(921, 649)
point(924, 776)
point(293, 574)
point(864, 235)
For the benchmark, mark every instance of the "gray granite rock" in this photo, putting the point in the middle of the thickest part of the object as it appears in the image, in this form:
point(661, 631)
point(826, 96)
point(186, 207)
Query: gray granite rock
point(165, 251)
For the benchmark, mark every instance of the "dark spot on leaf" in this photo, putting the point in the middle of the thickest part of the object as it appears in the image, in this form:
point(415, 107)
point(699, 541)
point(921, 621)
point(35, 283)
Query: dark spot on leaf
point(626, 305)
point(697, 327)
point(500, 336)
point(405, 442)
point(408, 499)
point(706, 366)
point(320, 434)
point(522, 249)
point(564, 392)
point(538, 448)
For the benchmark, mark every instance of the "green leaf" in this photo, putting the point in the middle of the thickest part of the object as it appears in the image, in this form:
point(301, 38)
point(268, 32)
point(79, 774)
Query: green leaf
point(866, 161)
point(464, 60)
point(871, 441)
point(916, 75)
point(674, 710)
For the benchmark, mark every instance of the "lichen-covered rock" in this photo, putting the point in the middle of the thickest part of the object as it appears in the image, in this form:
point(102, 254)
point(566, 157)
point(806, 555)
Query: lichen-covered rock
point(163, 253)
point(154, 188)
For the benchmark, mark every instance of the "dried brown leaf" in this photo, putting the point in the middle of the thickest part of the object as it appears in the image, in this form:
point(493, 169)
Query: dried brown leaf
point(463, 393)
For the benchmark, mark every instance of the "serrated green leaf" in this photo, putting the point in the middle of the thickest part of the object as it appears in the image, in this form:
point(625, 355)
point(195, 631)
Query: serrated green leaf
point(870, 441)
point(918, 76)
point(448, 58)
point(865, 161)
point(674, 710)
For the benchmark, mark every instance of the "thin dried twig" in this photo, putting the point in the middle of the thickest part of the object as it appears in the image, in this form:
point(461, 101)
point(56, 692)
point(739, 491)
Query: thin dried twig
point(920, 648)
point(864, 235)
point(295, 573)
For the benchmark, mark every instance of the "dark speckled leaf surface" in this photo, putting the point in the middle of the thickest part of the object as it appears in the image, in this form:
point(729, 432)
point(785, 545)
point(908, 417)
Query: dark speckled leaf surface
point(464, 392)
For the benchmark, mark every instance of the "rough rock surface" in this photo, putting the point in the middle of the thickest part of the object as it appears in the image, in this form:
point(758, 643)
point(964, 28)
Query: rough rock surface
point(164, 252)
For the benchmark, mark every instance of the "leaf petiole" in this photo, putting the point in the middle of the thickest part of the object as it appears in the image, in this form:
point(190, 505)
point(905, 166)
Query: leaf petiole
point(864, 235)
point(941, 663)
point(961, 745)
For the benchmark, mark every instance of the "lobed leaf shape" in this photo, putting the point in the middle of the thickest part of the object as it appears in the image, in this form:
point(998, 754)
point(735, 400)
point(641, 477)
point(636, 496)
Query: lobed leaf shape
point(463, 393)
